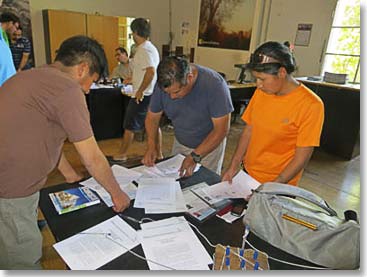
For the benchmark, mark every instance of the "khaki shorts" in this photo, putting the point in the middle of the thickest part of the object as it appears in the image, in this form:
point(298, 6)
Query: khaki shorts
point(20, 238)
point(212, 161)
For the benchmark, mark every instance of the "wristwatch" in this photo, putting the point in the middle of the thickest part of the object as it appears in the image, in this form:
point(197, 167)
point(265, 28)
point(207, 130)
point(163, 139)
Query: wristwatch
point(195, 157)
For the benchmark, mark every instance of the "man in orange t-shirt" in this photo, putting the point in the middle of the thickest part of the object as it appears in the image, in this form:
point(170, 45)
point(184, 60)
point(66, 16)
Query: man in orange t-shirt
point(283, 121)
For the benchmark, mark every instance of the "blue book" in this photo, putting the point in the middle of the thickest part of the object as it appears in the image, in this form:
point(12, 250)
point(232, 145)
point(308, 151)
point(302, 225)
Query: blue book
point(73, 199)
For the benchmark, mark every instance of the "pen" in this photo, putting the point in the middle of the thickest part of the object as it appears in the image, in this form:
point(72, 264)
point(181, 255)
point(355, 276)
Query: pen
point(300, 221)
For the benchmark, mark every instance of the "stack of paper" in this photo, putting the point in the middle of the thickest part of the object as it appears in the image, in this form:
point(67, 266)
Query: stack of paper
point(98, 245)
point(168, 168)
point(123, 176)
point(159, 195)
point(241, 187)
point(172, 244)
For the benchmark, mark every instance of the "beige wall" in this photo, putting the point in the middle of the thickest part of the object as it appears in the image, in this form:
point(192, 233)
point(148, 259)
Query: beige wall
point(273, 20)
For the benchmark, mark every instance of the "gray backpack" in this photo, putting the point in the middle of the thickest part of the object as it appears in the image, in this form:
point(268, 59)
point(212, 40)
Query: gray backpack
point(309, 229)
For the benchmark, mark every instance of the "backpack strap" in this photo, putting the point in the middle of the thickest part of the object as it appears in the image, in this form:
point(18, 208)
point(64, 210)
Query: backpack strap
point(289, 190)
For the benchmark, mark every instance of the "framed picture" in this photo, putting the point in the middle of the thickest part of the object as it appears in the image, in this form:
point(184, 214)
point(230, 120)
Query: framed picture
point(226, 23)
point(303, 35)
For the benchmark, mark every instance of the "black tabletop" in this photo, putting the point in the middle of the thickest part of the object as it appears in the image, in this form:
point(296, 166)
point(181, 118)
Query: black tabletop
point(215, 229)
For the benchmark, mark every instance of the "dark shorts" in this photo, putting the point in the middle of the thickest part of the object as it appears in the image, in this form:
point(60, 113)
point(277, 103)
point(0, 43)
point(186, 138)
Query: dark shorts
point(135, 114)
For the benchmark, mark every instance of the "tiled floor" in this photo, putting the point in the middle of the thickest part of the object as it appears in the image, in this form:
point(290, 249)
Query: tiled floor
point(335, 180)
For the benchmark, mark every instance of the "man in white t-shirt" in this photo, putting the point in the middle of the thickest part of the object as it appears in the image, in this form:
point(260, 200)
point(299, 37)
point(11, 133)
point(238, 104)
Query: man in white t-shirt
point(146, 60)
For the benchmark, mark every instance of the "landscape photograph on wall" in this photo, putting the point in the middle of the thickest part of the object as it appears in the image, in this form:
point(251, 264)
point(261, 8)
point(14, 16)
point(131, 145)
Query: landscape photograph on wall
point(226, 23)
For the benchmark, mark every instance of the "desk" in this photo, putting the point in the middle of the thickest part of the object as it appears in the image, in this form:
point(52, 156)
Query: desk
point(341, 131)
point(107, 109)
point(239, 94)
point(215, 229)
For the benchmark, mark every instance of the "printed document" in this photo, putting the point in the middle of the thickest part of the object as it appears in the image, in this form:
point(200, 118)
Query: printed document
point(178, 206)
point(159, 195)
point(172, 244)
point(168, 168)
point(98, 245)
point(155, 191)
point(196, 207)
point(124, 178)
point(241, 187)
point(201, 191)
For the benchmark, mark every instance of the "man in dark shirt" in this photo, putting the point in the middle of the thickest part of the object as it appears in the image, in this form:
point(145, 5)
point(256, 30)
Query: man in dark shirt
point(9, 22)
point(20, 49)
point(198, 102)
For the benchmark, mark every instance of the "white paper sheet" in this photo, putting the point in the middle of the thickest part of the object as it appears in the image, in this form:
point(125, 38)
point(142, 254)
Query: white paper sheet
point(168, 168)
point(179, 206)
point(171, 242)
point(123, 176)
point(241, 187)
point(201, 191)
point(155, 192)
point(197, 207)
point(229, 218)
point(98, 86)
point(97, 245)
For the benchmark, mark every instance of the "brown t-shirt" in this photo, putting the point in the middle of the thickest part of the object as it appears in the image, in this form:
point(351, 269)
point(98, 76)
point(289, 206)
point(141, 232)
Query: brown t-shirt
point(39, 109)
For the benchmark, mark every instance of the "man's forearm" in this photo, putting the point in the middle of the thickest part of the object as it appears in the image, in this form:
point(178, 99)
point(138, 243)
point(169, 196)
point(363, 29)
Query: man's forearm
point(97, 165)
point(66, 169)
point(151, 127)
point(23, 61)
point(99, 168)
point(214, 138)
point(147, 79)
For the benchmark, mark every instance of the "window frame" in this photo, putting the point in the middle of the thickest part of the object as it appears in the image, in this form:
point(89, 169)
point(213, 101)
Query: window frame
point(326, 53)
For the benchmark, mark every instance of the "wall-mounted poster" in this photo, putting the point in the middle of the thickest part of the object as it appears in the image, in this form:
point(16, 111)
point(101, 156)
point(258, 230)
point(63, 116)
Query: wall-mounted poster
point(226, 23)
point(303, 35)
point(22, 10)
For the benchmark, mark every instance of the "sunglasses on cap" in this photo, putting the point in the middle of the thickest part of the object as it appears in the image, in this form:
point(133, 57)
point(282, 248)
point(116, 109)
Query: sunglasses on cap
point(263, 63)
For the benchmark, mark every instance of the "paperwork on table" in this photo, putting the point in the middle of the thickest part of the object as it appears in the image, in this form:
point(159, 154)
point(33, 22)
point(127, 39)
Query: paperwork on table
point(97, 245)
point(241, 187)
point(172, 244)
point(161, 171)
point(159, 195)
point(196, 207)
point(167, 168)
point(123, 176)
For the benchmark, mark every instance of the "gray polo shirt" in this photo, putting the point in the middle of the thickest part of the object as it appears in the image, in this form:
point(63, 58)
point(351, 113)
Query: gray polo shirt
point(192, 115)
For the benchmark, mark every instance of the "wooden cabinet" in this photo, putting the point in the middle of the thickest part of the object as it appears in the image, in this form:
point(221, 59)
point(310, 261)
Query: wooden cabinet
point(105, 30)
point(60, 25)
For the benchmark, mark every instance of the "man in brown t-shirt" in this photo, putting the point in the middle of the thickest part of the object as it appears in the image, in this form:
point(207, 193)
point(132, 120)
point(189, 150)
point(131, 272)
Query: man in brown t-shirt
point(39, 110)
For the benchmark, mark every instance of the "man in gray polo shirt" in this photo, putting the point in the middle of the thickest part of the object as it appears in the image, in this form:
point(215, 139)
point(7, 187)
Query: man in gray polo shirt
point(197, 101)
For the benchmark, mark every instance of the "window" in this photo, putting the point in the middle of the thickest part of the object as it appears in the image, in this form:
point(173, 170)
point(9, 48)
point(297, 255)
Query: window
point(343, 50)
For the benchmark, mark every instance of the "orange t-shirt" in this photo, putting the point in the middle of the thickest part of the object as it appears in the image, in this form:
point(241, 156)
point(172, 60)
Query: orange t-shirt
point(279, 125)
